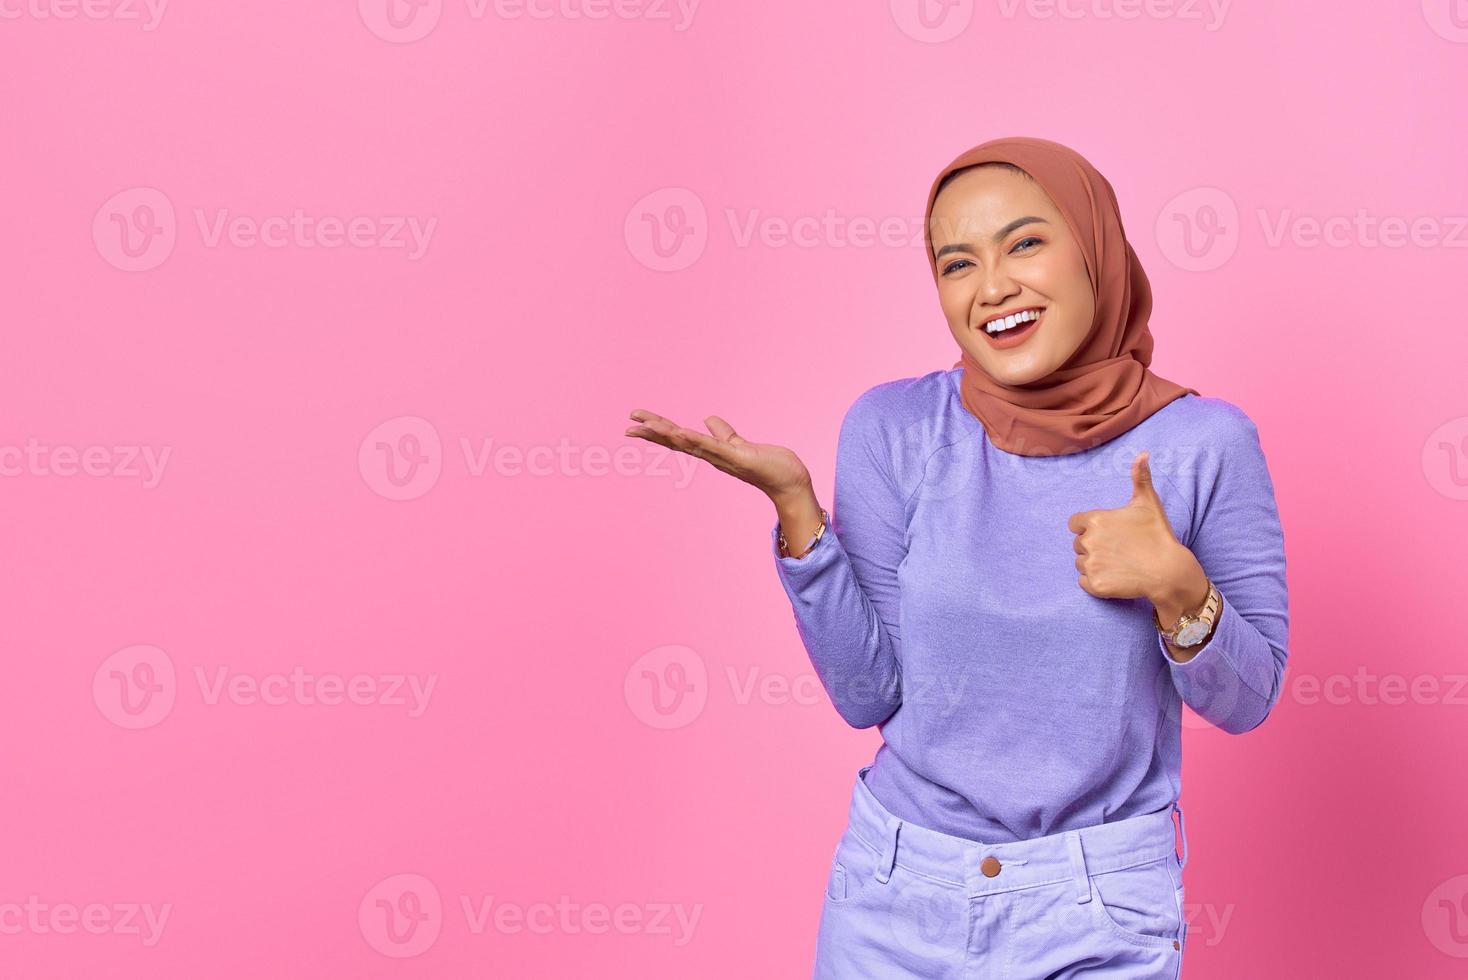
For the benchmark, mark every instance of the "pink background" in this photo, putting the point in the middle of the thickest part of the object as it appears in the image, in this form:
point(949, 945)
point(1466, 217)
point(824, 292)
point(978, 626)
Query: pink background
point(562, 162)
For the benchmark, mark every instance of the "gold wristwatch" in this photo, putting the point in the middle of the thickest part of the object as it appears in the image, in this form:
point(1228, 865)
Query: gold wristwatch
point(785, 548)
point(1192, 628)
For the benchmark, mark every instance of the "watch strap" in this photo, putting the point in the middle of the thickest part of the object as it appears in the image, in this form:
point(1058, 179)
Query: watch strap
point(820, 531)
point(1207, 613)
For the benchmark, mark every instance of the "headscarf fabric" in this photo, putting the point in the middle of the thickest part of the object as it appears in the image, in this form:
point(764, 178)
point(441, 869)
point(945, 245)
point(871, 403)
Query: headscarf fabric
point(1105, 388)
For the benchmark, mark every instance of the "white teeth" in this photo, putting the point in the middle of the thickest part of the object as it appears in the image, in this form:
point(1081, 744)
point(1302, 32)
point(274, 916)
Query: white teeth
point(1005, 323)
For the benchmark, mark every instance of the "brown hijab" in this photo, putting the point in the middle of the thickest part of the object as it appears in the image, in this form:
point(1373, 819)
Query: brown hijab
point(1105, 388)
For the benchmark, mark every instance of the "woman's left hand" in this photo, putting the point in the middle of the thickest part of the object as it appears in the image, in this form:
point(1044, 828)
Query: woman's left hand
point(1130, 552)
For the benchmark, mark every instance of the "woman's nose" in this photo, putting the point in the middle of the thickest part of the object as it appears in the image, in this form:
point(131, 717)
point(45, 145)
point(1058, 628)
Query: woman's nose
point(995, 285)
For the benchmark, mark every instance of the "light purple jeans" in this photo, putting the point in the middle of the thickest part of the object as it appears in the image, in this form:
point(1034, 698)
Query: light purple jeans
point(906, 901)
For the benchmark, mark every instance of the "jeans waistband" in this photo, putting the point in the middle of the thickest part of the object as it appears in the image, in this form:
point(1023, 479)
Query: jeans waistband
point(987, 869)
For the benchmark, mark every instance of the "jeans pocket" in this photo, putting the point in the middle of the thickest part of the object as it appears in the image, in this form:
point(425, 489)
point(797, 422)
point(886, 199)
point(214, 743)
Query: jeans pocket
point(851, 868)
point(836, 882)
point(1142, 904)
point(1177, 871)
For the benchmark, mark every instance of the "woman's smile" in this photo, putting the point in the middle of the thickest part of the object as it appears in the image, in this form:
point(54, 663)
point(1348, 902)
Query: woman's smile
point(1013, 330)
point(1001, 246)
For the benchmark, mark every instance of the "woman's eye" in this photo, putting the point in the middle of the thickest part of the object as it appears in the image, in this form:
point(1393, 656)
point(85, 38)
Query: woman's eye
point(1024, 244)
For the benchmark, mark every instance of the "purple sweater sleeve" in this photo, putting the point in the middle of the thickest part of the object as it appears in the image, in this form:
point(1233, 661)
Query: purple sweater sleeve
point(1236, 678)
point(845, 602)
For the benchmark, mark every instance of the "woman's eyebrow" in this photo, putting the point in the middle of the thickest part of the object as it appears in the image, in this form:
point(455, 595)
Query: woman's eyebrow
point(998, 235)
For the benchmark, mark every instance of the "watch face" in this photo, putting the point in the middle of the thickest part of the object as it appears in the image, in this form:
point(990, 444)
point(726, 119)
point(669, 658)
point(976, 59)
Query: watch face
point(1191, 633)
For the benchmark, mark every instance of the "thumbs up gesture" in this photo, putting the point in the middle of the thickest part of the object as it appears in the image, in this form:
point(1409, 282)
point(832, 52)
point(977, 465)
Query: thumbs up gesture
point(1130, 552)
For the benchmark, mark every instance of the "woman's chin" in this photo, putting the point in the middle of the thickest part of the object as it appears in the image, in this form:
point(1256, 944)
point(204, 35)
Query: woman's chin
point(1009, 371)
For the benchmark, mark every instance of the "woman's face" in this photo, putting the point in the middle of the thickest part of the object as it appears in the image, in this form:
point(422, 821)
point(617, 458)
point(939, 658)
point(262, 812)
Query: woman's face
point(1001, 247)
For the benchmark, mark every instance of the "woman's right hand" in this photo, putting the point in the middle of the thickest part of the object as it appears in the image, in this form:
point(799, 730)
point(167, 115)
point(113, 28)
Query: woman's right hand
point(774, 469)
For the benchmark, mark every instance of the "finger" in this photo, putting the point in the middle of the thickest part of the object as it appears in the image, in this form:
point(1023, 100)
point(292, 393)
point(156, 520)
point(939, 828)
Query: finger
point(1079, 522)
point(1085, 584)
point(659, 430)
point(692, 442)
point(721, 430)
point(663, 427)
point(643, 432)
point(1142, 478)
point(1080, 548)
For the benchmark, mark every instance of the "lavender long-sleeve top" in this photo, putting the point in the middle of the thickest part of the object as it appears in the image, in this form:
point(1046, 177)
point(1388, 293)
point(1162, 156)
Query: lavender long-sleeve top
point(943, 604)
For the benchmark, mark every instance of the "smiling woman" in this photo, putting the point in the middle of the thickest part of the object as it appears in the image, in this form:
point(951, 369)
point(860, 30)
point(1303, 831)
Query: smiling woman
point(986, 540)
point(993, 267)
point(1002, 242)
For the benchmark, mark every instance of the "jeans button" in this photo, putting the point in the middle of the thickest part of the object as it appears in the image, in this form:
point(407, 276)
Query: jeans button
point(990, 866)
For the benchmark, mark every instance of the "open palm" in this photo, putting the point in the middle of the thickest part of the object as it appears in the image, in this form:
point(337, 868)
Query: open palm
point(773, 469)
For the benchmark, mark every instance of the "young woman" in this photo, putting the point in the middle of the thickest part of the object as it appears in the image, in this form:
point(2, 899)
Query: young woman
point(1034, 558)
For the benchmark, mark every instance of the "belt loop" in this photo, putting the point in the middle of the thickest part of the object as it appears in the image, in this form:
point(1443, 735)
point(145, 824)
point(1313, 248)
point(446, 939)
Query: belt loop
point(1078, 866)
point(1182, 830)
point(889, 851)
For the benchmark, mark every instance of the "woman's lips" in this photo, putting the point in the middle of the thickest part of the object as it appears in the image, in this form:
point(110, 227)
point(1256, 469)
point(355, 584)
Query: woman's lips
point(1014, 336)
